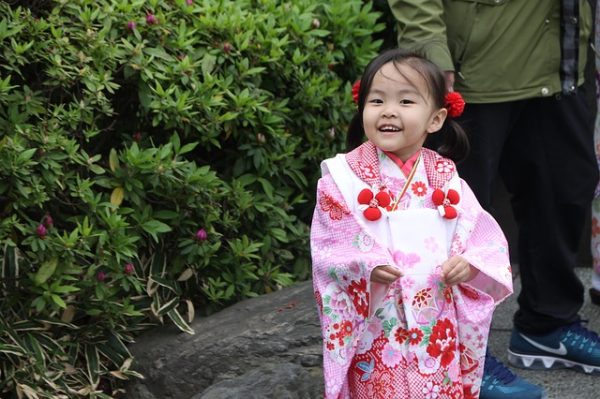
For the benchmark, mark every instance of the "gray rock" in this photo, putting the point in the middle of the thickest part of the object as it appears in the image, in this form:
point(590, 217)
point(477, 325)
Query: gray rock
point(282, 381)
point(265, 347)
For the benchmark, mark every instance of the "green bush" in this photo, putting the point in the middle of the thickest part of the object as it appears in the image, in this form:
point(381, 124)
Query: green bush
point(157, 160)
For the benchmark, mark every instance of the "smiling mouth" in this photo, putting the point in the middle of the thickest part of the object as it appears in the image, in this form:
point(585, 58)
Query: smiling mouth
point(389, 129)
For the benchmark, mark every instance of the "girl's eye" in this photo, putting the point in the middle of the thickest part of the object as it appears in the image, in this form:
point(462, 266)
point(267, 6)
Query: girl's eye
point(376, 101)
point(406, 101)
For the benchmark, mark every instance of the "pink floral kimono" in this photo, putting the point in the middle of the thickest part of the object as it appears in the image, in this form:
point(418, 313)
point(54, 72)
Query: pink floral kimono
point(415, 338)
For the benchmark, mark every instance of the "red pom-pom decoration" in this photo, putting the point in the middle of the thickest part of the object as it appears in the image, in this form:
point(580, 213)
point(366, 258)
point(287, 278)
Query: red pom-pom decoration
point(455, 104)
point(438, 197)
point(444, 201)
point(372, 214)
point(373, 202)
point(365, 196)
point(383, 199)
point(450, 212)
point(453, 196)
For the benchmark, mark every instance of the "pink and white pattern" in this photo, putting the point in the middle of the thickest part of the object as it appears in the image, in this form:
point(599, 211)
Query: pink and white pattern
point(417, 337)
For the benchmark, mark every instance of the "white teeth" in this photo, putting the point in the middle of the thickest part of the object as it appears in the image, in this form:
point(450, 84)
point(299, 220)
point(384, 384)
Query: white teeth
point(389, 129)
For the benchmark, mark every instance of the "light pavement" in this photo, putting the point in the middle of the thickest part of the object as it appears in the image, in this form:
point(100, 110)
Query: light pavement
point(559, 384)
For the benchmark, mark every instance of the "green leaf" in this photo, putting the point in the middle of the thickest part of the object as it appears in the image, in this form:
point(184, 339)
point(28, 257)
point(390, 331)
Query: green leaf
point(58, 300)
point(154, 227)
point(92, 363)
point(167, 307)
point(159, 52)
point(267, 187)
point(208, 64)
point(180, 322)
point(45, 271)
point(279, 234)
point(113, 160)
point(26, 155)
point(97, 169)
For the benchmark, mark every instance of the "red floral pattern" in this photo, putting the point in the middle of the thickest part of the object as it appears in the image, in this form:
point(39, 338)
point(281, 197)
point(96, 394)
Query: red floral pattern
point(468, 292)
point(419, 188)
point(468, 362)
point(444, 166)
point(335, 209)
point(369, 377)
point(401, 335)
point(422, 298)
point(367, 170)
point(360, 296)
point(415, 336)
point(341, 330)
point(471, 392)
point(442, 342)
point(448, 294)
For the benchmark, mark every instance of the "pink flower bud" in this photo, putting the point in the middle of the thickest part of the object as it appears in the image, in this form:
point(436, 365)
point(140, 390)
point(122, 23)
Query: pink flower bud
point(41, 231)
point(189, 2)
point(137, 137)
point(227, 47)
point(101, 276)
point(201, 235)
point(131, 25)
point(129, 268)
point(151, 19)
point(316, 23)
point(48, 221)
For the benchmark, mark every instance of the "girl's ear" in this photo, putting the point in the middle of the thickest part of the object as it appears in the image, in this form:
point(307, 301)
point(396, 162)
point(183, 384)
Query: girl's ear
point(437, 120)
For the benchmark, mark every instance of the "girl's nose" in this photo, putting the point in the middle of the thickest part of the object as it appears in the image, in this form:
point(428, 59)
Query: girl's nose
point(390, 112)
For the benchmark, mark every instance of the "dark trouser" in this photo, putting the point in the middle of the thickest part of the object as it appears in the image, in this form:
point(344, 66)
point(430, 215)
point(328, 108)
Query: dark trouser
point(543, 149)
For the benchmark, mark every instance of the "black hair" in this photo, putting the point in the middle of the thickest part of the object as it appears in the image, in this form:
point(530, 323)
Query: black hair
point(454, 143)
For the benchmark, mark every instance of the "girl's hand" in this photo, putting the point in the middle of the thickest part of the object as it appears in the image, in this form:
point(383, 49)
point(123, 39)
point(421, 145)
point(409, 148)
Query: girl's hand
point(457, 270)
point(385, 274)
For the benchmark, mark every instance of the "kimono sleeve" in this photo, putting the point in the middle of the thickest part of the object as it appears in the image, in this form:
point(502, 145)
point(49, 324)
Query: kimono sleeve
point(480, 240)
point(343, 256)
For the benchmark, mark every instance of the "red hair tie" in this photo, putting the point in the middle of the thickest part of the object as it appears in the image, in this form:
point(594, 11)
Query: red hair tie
point(355, 90)
point(455, 104)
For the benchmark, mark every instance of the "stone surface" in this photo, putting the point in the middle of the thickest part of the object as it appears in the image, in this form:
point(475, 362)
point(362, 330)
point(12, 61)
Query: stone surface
point(273, 380)
point(265, 347)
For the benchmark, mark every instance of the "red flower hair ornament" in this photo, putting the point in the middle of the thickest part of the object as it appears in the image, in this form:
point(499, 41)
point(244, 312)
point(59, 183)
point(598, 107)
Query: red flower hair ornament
point(445, 201)
point(370, 203)
point(455, 104)
point(355, 90)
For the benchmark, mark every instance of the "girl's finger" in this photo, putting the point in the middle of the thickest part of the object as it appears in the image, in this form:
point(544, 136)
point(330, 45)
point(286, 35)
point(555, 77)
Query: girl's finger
point(383, 276)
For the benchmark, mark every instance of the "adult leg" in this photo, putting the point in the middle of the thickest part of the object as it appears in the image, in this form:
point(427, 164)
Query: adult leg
point(488, 126)
point(549, 167)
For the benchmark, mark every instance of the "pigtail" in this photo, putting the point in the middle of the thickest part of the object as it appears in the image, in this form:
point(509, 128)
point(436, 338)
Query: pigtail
point(455, 142)
point(356, 132)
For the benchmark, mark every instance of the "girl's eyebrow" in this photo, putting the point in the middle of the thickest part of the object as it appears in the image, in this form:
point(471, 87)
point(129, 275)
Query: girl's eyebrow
point(402, 91)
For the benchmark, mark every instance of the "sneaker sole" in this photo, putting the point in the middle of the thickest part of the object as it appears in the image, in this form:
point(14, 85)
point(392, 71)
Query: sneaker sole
point(537, 362)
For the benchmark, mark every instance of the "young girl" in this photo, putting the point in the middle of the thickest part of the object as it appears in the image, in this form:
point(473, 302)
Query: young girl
point(407, 266)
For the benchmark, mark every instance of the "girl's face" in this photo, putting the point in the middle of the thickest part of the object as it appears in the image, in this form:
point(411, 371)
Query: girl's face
point(399, 112)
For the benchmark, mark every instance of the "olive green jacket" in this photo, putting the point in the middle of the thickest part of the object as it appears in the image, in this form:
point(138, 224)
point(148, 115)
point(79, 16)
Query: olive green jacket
point(500, 50)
